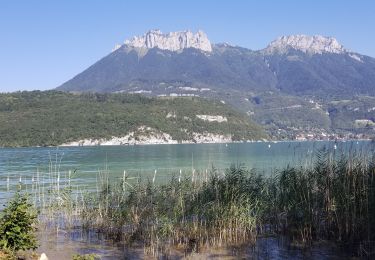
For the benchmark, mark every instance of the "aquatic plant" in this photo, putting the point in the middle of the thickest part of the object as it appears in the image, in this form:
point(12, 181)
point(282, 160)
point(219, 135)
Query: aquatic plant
point(85, 257)
point(334, 199)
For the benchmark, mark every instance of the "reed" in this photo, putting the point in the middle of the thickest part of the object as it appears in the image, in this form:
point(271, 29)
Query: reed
point(334, 199)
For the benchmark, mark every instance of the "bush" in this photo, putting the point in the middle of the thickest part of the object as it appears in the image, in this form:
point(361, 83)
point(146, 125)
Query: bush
point(17, 225)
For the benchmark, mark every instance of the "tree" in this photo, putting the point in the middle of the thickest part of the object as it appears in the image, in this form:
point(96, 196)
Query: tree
point(17, 225)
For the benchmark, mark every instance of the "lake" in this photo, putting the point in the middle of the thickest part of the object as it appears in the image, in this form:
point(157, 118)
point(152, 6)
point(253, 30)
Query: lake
point(27, 165)
point(39, 168)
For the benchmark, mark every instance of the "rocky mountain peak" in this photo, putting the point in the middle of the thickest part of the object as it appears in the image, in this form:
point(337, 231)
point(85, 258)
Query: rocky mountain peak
point(316, 44)
point(173, 41)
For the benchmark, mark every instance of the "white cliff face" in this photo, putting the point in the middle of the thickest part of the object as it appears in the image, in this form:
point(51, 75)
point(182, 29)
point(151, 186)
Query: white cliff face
point(147, 135)
point(173, 41)
point(177, 41)
point(210, 118)
point(316, 44)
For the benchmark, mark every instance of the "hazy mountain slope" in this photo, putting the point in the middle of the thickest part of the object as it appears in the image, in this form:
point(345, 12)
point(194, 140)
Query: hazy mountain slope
point(327, 75)
point(224, 68)
point(299, 72)
point(295, 65)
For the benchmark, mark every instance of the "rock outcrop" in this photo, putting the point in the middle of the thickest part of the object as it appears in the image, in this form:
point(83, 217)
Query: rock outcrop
point(173, 41)
point(316, 44)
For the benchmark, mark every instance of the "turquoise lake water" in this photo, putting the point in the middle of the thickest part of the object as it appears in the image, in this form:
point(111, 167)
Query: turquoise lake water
point(27, 165)
point(39, 168)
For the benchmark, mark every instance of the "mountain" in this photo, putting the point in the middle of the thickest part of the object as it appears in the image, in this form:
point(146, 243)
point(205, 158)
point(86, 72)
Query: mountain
point(52, 118)
point(180, 59)
point(286, 86)
point(319, 66)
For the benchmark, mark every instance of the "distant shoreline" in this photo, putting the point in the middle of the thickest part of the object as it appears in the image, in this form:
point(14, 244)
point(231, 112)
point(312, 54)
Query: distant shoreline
point(221, 142)
point(188, 142)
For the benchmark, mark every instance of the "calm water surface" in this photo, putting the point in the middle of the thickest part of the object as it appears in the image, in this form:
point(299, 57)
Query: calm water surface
point(42, 166)
point(162, 161)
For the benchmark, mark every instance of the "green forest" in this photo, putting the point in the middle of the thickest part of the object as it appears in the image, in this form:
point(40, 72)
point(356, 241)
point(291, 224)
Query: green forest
point(50, 118)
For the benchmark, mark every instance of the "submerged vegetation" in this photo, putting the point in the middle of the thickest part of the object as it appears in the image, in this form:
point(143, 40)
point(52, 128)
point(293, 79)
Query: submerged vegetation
point(332, 200)
point(189, 213)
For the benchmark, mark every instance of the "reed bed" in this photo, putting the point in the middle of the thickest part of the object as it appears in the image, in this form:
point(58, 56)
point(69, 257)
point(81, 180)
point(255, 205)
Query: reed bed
point(334, 199)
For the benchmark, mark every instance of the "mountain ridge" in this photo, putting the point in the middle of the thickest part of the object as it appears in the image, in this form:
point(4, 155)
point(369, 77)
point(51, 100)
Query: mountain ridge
point(178, 40)
point(166, 57)
point(294, 69)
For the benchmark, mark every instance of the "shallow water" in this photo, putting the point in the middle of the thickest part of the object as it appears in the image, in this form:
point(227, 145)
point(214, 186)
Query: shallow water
point(36, 167)
point(64, 244)
point(44, 165)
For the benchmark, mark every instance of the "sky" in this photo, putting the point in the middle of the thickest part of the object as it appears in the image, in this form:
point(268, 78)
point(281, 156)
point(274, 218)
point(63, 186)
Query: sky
point(45, 43)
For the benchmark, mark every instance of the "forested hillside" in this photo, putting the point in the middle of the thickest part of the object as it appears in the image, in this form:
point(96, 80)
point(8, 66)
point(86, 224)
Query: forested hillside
point(52, 118)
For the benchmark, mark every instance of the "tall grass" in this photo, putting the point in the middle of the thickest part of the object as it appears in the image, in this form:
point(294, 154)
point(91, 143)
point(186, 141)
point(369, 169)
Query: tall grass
point(185, 213)
point(332, 200)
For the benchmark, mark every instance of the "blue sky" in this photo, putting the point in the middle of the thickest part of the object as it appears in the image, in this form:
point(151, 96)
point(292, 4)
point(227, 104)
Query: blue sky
point(45, 43)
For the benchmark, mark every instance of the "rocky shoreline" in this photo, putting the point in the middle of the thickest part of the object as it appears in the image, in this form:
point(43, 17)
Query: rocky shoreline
point(147, 135)
point(154, 139)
